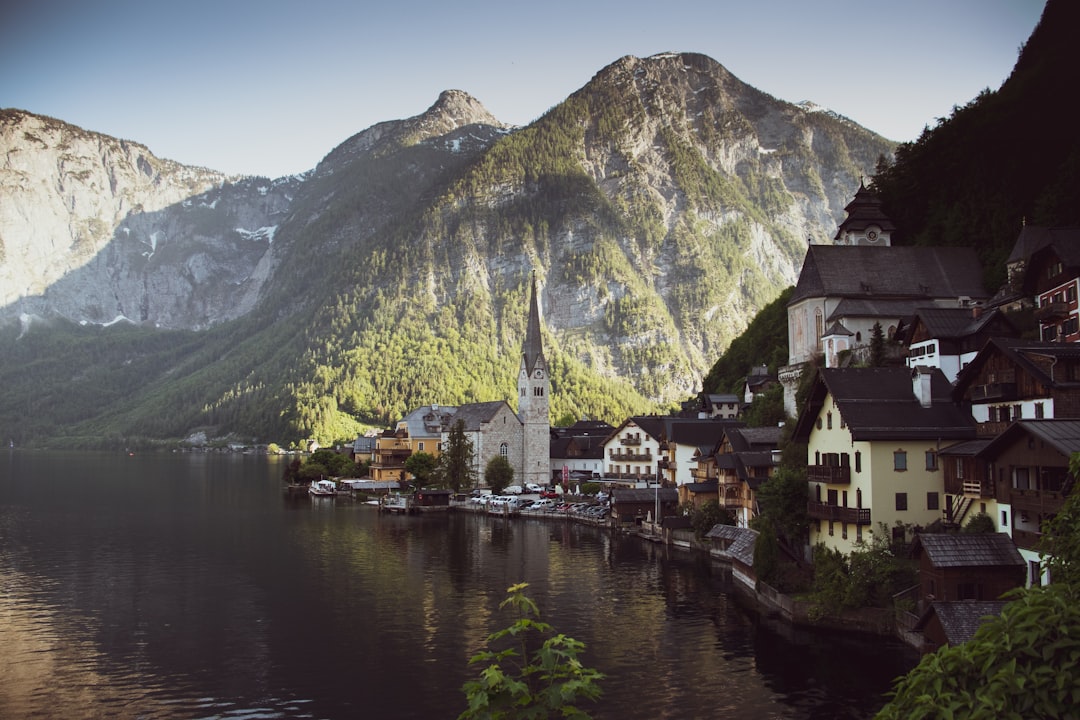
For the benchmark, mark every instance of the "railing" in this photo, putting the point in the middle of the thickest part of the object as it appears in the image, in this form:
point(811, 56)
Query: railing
point(994, 391)
point(834, 474)
point(822, 511)
point(1036, 501)
point(1052, 311)
point(630, 440)
point(638, 456)
point(1026, 539)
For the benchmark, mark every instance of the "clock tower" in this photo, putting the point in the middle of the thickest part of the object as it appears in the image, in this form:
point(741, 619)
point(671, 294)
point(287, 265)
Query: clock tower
point(534, 401)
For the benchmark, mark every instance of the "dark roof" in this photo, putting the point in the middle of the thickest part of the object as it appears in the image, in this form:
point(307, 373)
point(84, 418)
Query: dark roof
point(474, 414)
point(697, 431)
point(748, 438)
point(1034, 238)
point(960, 618)
point(969, 550)
point(643, 495)
point(741, 541)
point(837, 328)
point(969, 448)
point(875, 308)
point(1061, 434)
point(703, 487)
point(955, 323)
point(1022, 352)
point(880, 403)
point(857, 271)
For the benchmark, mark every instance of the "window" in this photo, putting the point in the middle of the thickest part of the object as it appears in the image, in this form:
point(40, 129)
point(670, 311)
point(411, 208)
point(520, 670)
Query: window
point(1040, 413)
point(420, 446)
point(1004, 518)
point(1034, 572)
point(833, 497)
point(933, 501)
point(830, 527)
point(858, 461)
point(1020, 479)
point(843, 530)
point(504, 450)
point(968, 591)
point(1070, 293)
point(538, 391)
point(931, 460)
point(959, 468)
point(828, 418)
point(819, 423)
point(858, 533)
point(1018, 412)
point(899, 460)
point(901, 501)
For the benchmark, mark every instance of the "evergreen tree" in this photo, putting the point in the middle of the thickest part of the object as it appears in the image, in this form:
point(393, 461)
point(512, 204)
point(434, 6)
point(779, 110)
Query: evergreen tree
point(455, 469)
point(877, 346)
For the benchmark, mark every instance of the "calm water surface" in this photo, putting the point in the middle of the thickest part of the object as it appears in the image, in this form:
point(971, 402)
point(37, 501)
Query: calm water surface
point(186, 586)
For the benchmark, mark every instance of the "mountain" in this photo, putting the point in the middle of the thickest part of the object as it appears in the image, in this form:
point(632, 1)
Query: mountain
point(659, 207)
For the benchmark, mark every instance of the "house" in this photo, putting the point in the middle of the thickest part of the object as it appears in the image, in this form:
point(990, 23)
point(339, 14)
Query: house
point(712, 405)
point(739, 463)
point(699, 493)
point(758, 380)
point(419, 431)
point(967, 566)
point(1030, 466)
point(632, 506)
point(363, 449)
point(1013, 379)
point(682, 440)
point(954, 623)
point(950, 338)
point(1050, 273)
point(632, 451)
point(577, 452)
point(873, 436)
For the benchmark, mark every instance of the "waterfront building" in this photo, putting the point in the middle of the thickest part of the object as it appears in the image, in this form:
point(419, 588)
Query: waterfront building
point(873, 436)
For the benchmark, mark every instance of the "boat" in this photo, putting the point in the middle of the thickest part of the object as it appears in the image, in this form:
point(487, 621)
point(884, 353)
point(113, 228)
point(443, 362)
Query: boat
point(322, 488)
point(396, 503)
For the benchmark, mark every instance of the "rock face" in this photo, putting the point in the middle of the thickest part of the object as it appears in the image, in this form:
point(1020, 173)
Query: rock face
point(94, 229)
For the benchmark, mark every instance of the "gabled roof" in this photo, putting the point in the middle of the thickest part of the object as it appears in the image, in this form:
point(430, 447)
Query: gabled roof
point(696, 432)
point(955, 323)
point(1024, 353)
point(644, 495)
point(1033, 238)
point(968, 550)
point(880, 404)
point(1061, 434)
point(651, 425)
point(960, 618)
point(474, 414)
point(837, 328)
point(889, 272)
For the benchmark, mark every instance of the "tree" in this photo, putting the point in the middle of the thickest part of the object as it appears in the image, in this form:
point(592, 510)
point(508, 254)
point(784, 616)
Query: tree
point(514, 684)
point(877, 346)
point(979, 523)
point(455, 469)
point(782, 499)
point(707, 515)
point(1023, 664)
point(421, 466)
point(1060, 542)
point(498, 474)
point(767, 408)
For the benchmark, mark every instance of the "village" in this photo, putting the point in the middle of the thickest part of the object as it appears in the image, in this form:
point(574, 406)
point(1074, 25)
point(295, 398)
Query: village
point(926, 403)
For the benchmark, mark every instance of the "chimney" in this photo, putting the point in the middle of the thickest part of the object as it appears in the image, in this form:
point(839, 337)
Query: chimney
point(920, 384)
point(976, 310)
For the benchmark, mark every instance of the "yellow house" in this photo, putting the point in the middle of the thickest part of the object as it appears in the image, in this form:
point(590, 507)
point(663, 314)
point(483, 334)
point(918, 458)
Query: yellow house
point(419, 431)
point(873, 437)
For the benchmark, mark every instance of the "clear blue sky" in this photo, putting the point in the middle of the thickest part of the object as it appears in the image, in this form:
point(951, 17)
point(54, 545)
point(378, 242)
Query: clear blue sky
point(270, 87)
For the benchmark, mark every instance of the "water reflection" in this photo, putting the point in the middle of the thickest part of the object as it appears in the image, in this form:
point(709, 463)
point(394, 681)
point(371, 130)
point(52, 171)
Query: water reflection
point(165, 586)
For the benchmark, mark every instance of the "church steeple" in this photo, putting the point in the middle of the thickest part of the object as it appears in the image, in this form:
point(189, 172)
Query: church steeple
point(533, 399)
point(532, 350)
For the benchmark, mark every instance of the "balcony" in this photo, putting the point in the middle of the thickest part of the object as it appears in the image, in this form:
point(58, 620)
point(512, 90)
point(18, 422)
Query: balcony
point(1026, 540)
point(993, 391)
point(1052, 311)
point(835, 513)
point(833, 474)
point(666, 464)
point(630, 440)
point(630, 456)
point(1037, 502)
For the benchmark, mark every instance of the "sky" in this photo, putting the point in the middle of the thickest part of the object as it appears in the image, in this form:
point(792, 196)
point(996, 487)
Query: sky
point(270, 87)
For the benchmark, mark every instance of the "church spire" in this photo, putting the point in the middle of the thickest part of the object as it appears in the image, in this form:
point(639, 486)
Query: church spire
point(533, 347)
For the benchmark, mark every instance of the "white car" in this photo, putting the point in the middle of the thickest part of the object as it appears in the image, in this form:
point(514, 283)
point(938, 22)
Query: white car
point(513, 490)
point(533, 488)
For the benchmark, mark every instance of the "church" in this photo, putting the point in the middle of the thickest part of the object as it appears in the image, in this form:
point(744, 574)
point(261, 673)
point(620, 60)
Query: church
point(493, 428)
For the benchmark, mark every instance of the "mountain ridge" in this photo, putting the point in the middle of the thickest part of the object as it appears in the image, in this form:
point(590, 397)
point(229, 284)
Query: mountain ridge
point(660, 206)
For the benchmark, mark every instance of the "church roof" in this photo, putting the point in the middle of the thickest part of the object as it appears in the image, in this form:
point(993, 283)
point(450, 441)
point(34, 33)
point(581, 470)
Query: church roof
point(863, 211)
point(889, 273)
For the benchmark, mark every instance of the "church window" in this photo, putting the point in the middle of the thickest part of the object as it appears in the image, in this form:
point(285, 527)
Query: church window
point(504, 450)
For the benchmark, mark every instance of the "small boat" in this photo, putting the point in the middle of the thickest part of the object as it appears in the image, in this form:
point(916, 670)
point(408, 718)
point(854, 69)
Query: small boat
point(397, 503)
point(322, 488)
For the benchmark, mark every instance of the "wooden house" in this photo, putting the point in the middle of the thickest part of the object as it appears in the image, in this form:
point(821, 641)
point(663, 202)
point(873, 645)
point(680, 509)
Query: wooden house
point(966, 566)
point(953, 623)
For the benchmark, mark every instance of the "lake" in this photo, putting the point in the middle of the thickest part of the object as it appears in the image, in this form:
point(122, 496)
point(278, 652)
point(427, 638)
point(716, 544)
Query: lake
point(186, 586)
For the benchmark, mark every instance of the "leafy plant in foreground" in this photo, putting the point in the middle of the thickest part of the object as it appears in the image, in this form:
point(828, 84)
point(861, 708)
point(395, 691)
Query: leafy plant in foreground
point(517, 683)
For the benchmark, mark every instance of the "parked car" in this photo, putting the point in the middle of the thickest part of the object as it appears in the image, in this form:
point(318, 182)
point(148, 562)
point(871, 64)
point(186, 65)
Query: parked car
point(549, 494)
point(533, 488)
point(513, 490)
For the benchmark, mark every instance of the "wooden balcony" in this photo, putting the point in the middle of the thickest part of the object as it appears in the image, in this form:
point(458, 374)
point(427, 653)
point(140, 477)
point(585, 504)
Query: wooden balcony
point(630, 440)
point(1052, 311)
point(997, 391)
point(832, 474)
point(1038, 502)
point(835, 513)
point(1026, 540)
point(630, 456)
